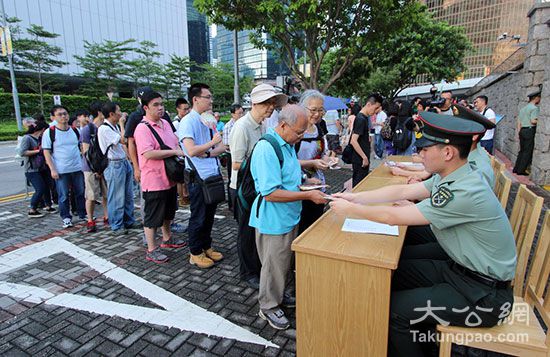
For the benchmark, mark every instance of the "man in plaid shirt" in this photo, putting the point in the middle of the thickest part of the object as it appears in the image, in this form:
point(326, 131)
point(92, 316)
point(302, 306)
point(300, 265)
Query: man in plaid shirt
point(236, 113)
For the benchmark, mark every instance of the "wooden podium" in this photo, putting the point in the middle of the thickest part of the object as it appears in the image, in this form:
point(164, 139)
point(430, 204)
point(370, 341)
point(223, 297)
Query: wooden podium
point(343, 283)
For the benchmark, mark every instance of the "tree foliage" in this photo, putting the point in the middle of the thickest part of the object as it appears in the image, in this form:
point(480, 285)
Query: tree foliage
point(392, 62)
point(34, 54)
point(313, 26)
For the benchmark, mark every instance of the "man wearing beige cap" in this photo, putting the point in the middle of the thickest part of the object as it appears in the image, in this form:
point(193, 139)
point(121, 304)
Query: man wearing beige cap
point(245, 134)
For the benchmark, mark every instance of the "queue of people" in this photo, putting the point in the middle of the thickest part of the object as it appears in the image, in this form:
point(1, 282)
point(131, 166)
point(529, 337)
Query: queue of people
point(284, 163)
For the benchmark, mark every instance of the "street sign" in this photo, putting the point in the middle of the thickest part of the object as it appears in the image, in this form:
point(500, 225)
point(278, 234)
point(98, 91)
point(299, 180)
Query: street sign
point(3, 43)
point(5, 39)
point(57, 100)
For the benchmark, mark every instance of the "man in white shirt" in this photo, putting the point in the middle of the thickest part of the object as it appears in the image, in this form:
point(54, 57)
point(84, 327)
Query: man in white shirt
point(480, 103)
point(118, 174)
point(381, 117)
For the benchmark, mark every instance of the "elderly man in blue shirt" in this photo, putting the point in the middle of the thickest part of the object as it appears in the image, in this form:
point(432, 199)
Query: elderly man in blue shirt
point(276, 211)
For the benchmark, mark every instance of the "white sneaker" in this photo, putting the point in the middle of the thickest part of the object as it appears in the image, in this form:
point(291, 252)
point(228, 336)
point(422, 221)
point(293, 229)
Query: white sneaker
point(67, 223)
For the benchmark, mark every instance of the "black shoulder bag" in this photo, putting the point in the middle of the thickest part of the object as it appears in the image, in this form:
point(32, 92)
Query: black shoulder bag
point(213, 187)
point(174, 165)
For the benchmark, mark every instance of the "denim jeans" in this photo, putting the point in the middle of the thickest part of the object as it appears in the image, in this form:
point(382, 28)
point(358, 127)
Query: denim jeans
point(200, 222)
point(41, 182)
point(119, 177)
point(378, 145)
point(488, 145)
point(74, 181)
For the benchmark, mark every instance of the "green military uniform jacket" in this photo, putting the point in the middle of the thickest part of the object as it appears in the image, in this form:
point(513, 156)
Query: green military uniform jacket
point(481, 160)
point(469, 223)
point(527, 113)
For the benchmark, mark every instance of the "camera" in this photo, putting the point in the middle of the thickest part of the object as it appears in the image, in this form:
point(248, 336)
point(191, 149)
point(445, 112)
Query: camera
point(435, 101)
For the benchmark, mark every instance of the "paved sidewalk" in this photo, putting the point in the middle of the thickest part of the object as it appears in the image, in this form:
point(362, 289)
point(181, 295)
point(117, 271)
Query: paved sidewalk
point(63, 292)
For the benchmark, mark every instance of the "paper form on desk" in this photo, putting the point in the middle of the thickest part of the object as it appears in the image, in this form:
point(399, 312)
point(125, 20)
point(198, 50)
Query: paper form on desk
point(366, 226)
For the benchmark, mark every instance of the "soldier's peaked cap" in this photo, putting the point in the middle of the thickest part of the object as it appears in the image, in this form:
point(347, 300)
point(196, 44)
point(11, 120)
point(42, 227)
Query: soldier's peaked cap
point(467, 113)
point(446, 129)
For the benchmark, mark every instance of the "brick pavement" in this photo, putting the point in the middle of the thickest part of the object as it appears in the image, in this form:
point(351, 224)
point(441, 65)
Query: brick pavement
point(39, 329)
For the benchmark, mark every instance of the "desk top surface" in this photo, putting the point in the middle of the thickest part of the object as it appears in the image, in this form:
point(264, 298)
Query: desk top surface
point(325, 237)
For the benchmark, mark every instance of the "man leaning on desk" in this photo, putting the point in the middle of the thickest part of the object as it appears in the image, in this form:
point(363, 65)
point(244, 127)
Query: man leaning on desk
point(459, 275)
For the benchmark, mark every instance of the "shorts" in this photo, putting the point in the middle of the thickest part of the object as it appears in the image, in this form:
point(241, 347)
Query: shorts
point(94, 187)
point(159, 206)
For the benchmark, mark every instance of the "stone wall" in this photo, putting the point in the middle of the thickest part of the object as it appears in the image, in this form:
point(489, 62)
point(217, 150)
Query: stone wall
point(508, 94)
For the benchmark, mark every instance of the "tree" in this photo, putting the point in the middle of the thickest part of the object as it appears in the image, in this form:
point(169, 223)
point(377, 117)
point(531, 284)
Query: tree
point(175, 76)
point(104, 63)
point(313, 26)
point(36, 55)
point(423, 46)
point(144, 70)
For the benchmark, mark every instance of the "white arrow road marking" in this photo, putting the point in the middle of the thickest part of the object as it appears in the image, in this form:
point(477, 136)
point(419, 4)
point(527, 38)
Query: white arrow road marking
point(178, 313)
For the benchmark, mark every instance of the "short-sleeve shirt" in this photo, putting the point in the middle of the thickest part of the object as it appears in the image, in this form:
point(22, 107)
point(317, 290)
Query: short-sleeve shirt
point(330, 118)
point(275, 217)
point(109, 136)
point(361, 127)
point(153, 173)
point(136, 117)
point(66, 150)
point(85, 137)
point(380, 119)
point(192, 127)
point(245, 134)
point(482, 162)
point(227, 132)
point(29, 142)
point(469, 223)
point(489, 114)
point(528, 113)
point(310, 150)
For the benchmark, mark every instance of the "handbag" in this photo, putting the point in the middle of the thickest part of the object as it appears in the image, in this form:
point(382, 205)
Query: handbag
point(174, 165)
point(213, 187)
point(347, 154)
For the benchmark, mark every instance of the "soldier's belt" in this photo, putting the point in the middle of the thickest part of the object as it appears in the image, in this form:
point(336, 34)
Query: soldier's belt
point(480, 278)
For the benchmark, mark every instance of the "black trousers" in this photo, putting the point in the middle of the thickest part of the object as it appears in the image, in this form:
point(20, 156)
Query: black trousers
point(250, 265)
point(427, 291)
point(359, 172)
point(526, 146)
point(228, 166)
point(310, 213)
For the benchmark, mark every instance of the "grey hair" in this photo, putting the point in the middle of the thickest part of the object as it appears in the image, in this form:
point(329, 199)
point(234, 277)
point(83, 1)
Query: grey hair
point(289, 114)
point(309, 95)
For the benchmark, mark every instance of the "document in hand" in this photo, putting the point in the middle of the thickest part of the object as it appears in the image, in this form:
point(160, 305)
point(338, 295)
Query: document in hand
point(366, 226)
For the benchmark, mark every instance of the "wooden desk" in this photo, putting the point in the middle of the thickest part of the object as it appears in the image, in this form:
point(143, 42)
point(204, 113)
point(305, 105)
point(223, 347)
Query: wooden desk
point(343, 284)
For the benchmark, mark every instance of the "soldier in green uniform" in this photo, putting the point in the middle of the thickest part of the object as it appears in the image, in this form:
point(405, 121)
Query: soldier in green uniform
point(527, 126)
point(478, 155)
point(459, 275)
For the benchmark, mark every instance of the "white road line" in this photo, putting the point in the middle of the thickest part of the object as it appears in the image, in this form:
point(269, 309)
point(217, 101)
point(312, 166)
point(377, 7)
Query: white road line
point(178, 312)
point(4, 213)
point(5, 218)
point(6, 162)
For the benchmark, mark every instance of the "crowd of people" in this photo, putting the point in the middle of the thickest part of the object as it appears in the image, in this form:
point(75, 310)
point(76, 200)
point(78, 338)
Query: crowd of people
point(276, 155)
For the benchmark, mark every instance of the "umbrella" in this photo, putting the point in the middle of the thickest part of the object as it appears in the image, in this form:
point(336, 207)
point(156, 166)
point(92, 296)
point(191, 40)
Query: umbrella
point(333, 103)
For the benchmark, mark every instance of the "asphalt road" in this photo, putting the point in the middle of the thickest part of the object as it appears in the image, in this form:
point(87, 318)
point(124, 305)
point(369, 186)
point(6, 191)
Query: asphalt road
point(12, 176)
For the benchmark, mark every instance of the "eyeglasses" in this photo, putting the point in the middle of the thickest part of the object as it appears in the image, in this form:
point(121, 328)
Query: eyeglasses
point(298, 134)
point(210, 97)
point(320, 111)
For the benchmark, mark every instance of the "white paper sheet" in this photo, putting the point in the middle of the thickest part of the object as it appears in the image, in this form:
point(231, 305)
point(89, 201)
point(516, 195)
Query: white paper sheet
point(366, 226)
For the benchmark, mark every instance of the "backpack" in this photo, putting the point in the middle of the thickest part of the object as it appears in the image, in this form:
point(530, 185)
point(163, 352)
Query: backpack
point(385, 132)
point(402, 136)
point(52, 131)
point(96, 159)
point(246, 190)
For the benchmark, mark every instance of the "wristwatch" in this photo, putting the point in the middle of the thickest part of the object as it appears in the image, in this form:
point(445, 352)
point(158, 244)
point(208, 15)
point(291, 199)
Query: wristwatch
point(207, 154)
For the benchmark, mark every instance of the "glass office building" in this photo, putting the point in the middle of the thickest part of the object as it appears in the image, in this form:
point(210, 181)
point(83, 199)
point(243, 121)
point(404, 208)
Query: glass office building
point(485, 23)
point(199, 36)
point(76, 21)
point(253, 62)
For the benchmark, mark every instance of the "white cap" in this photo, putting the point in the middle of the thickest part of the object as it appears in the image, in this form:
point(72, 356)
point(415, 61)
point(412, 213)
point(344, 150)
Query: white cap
point(263, 92)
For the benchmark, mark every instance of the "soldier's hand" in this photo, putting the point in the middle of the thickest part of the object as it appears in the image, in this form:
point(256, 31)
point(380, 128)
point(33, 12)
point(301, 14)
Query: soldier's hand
point(340, 206)
point(344, 196)
point(413, 179)
point(317, 197)
point(402, 203)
